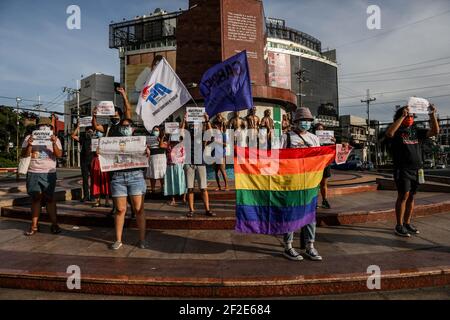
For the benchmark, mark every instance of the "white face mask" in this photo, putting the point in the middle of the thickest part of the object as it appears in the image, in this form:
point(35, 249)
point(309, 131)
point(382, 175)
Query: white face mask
point(44, 128)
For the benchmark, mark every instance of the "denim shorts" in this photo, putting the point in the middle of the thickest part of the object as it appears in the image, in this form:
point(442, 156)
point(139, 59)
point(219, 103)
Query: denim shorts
point(128, 183)
point(44, 183)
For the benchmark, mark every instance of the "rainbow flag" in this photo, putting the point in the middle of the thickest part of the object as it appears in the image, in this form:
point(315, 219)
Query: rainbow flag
point(277, 192)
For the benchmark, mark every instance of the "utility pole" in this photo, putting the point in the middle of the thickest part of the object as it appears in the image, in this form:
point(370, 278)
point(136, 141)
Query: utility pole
point(77, 93)
point(17, 129)
point(301, 78)
point(368, 101)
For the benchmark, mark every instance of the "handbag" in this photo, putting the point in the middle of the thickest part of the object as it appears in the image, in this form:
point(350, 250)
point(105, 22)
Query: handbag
point(24, 163)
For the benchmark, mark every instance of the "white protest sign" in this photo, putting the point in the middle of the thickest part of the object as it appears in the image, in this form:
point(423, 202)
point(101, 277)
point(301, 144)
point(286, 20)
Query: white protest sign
point(42, 137)
point(94, 144)
point(342, 153)
point(85, 122)
point(418, 105)
point(195, 114)
point(325, 136)
point(119, 153)
point(152, 141)
point(105, 108)
point(171, 127)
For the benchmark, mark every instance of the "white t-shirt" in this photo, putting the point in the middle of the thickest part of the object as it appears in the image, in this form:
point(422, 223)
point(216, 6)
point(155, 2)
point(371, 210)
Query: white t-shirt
point(42, 158)
point(297, 142)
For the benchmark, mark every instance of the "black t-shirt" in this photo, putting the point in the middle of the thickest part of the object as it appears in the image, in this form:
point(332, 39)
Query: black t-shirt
point(85, 143)
point(407, 149)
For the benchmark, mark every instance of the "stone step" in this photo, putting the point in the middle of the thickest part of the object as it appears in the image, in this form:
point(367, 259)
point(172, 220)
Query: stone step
point(347, 209)
point(428, 186)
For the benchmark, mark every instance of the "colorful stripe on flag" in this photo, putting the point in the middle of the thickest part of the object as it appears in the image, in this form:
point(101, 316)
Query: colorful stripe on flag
point(276, 192)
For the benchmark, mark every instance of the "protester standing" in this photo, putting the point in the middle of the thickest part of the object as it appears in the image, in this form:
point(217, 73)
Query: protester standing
point(326, 173)
point(41, 176)
point(406, 143)
point(219, 153)
point(195, 169)
point(125, 183)
point(85, 157)
point(174, 179)
point(299, 137)
point(100, 185)
point(157, 161)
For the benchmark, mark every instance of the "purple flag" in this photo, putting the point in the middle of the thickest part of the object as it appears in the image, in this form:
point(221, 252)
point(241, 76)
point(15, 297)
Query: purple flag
point(227, 86)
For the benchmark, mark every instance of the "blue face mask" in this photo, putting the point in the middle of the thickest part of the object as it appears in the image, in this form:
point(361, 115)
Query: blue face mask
point(99, 134)
point(126, 131)
point(155, 133)
point(304, 125)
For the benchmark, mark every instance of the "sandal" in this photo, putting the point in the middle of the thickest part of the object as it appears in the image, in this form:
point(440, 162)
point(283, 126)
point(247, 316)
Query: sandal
point(32, 232)
point(190, 214)
point(55, 229)
point(209, 213)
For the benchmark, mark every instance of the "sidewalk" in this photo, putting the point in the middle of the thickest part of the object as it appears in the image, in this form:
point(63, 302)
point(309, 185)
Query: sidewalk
point(222, 263)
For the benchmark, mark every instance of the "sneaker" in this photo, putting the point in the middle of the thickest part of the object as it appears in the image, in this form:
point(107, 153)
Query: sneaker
point(401, 231)
point(326, 204)
point(411, 229)
point(116, 245)
point(291, 254)
point(142, 244)
point(313, 254)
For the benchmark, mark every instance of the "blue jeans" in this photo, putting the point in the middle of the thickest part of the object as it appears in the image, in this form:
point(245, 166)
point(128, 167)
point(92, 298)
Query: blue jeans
point(41, 183)
point(307, 235)
point(128, 183)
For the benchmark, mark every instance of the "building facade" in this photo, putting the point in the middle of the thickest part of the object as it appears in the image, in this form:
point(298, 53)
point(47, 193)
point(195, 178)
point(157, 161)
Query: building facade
point(211, 31)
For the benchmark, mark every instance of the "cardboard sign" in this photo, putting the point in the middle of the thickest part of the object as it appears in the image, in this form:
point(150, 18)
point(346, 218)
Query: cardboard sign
point(418, 105)
point(171, 127)
point(195, 114)
point(152, 142)
point(120, 153)
point(342, 153)
point(85, 122)
point(325, 136)
point(175, 137)
point(42, 137)
point(105, 108)
point(94, 144)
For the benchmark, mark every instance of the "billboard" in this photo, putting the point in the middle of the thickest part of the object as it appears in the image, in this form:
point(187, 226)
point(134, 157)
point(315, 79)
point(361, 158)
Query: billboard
point(138, 69)
point(279, 70)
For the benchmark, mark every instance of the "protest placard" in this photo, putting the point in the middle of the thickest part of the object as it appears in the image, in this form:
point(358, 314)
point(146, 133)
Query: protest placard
point(418, 105)
point(94, 144)
point(105, 108)
point(119, 153)
point(42, 137)
point(325, 136)
point(195, 114)
point(85, 122)
point(171, 127)
point(342, 153)
point(152, 141)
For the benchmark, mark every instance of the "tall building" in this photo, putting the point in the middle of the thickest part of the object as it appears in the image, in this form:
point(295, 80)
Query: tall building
point(93, 89)
point(211, 31)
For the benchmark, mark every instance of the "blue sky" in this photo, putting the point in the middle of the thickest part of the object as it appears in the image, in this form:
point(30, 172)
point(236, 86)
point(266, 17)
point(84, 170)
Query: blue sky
point(40, 55)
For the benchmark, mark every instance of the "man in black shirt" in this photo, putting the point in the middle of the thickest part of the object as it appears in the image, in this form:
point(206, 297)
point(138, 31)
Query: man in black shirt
point(406, 142)
point(85, 157)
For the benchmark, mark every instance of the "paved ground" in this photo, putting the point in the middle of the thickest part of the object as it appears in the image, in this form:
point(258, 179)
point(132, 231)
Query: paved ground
point(439, 293)
point(373, 238)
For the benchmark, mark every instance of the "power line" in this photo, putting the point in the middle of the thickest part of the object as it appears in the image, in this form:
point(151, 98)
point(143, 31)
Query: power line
point(393, 29)
point(397, 79)
point(396, 67)
point(394, 72)
point(396, 91)
point(394, 101)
